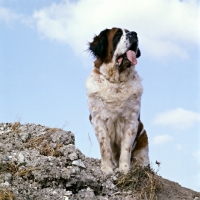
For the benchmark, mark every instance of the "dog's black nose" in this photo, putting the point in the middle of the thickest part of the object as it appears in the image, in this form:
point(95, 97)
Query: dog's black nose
point(131, 34)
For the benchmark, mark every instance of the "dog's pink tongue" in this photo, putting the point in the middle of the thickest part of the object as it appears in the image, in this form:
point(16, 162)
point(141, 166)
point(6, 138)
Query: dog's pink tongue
point(132, 57)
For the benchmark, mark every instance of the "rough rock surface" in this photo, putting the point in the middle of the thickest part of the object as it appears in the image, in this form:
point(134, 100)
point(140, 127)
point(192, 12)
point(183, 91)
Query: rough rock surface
point(41, 163)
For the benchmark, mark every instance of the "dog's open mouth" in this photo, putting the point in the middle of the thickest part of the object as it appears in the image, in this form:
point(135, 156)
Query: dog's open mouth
point(129, 55)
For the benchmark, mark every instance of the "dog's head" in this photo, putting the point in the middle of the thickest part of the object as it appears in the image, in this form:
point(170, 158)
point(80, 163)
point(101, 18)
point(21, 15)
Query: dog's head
point(116, 45)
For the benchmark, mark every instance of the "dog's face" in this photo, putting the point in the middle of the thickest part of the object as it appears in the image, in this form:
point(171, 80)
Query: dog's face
point(112, 45)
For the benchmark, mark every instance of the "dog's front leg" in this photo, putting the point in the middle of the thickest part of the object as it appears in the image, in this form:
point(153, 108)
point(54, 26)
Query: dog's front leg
point(128, 138)
point(104, 143)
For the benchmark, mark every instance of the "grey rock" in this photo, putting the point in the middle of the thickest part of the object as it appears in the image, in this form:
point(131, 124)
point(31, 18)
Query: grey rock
point(63, 137)
point(72, 156)
point(21, 158)
point(65, 173)
point(68, 175)
point(24, 136)
point(79, 163)
point(5, 184)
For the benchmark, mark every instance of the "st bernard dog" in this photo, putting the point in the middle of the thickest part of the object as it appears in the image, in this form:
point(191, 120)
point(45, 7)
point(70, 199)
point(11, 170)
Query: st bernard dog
point(114, 93)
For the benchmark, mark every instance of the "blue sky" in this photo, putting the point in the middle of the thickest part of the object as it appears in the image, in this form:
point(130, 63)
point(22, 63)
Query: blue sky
point(44, 65)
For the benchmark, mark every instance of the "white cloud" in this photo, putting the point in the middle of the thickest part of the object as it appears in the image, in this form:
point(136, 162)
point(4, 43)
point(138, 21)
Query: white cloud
point(164, 26)
point(178, 118)
point(7, 15)
point(162, 139)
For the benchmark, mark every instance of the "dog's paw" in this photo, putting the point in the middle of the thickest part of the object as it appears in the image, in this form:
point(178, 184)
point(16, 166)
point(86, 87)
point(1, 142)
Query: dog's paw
point(106, 169)
point(124, 168)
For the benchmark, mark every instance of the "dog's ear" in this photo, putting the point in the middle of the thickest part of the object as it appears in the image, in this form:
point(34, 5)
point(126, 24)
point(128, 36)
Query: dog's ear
point(99, 45)
point(138, 53)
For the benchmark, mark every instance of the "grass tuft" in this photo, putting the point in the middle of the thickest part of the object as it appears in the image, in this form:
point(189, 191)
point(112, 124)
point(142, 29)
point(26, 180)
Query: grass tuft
point(27, 171)
point(6, 194)
point(8, 167)
point(15, 127)
point(140, 180)
point(41, 143)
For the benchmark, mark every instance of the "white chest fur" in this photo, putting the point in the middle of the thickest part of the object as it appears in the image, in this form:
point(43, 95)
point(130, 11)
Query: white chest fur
point(114, 98)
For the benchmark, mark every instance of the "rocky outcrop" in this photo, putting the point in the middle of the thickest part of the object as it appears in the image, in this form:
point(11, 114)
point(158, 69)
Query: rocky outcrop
point(41, 163)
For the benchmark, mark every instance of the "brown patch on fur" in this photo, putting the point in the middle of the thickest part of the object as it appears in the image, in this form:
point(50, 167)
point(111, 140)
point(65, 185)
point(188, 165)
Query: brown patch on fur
point(111, 35)
point(96, 71)
point(90, 118)
point(98, 63)
point(142, 141)
point(118, 90)
point(128, 149)
point(101, 145)
point(111, 72)
point(103, 151)
point(140, 126)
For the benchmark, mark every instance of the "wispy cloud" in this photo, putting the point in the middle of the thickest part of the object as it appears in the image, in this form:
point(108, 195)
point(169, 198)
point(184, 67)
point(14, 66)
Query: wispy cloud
point(162, 139)
point(178, 118)
point(164, 27)
point(7, 15)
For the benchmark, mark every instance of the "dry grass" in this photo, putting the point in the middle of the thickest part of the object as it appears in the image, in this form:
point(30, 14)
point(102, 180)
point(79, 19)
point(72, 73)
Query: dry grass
point(27, 171)
point(140, 180)
point(47, 150)
point(52, 130)
point(15, 127)
point(36, 141)
point(11, 167)
point(6, 194)
point(14, 169)
point(41, 143)
point(58, 145)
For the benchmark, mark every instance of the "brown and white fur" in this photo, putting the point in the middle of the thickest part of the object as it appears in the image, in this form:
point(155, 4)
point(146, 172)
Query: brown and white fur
point(114, 96)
